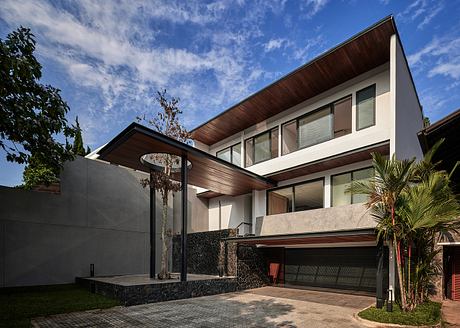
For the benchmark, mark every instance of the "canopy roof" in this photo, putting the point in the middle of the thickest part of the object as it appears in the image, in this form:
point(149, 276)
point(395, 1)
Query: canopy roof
point(361, 53)
point(309, 238)
point(207, 171)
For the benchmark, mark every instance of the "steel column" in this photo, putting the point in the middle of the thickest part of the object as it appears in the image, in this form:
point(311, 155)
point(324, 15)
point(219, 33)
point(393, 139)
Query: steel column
point(152, 227)
point(184, 185)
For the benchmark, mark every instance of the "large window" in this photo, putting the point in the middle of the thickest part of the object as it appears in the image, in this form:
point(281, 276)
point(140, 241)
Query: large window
point(300, 197)
point(331, 121)
point(341, 182)
point(231, 154)
point(261, 147)
point(365, 108)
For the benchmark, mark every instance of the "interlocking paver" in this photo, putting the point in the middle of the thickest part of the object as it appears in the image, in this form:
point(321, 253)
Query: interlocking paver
point(262, 307)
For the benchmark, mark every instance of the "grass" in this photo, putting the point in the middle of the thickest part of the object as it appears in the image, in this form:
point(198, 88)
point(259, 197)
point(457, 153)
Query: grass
point(18, 305)
point(428, 313)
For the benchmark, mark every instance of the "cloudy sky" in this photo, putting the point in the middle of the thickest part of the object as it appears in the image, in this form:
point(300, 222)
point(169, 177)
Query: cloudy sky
point(109, 57)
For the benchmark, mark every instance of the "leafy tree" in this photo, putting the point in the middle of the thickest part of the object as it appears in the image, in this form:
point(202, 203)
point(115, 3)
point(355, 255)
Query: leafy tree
point(413, 205)
point(32, 115)
point(166, 122)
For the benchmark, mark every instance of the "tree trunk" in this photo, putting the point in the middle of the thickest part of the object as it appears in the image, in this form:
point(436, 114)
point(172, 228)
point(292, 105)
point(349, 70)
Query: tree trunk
point(164, 272)
point(397, 247)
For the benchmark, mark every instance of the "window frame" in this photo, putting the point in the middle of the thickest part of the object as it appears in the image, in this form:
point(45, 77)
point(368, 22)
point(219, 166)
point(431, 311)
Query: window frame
point(374, 86)
point(269, 131)
point(231, 152)
point(298, 118)
point(292, 186)
point(346, 172)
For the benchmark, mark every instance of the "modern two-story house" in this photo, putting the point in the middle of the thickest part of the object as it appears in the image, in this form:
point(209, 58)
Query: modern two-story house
point(312, 132)
point(277, 164)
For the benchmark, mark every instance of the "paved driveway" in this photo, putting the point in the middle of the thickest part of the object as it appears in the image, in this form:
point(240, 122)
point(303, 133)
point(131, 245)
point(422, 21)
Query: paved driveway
point(262, 307)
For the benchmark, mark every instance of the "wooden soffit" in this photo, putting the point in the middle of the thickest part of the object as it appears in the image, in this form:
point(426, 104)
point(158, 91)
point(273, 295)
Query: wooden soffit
point(359, 54)
point(207, 171)
point(346, 158)
point(352, 236)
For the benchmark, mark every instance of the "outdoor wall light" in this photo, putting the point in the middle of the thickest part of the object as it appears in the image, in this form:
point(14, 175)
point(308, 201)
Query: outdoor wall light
point(390, 300)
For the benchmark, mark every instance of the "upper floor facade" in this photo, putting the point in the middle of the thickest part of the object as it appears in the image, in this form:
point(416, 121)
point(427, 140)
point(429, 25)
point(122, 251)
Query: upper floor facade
point(377, 106)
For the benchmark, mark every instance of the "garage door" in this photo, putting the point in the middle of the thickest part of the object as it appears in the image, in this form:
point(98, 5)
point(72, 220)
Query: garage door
point(353, 268)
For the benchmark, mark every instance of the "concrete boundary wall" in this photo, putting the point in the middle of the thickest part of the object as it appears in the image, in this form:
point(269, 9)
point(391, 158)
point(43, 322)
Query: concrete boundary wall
point(101, 217)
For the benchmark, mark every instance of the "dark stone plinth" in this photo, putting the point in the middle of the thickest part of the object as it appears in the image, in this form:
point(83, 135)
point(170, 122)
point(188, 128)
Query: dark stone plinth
point(160, 292)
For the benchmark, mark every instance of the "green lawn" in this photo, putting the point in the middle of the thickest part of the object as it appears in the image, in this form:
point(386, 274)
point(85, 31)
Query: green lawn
point(428, 313)
point(19, 305)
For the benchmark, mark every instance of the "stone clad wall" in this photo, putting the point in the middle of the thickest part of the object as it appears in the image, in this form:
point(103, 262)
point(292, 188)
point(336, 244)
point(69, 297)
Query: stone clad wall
point(207, 252)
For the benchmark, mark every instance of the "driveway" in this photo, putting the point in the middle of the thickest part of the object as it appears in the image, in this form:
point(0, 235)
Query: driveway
point(262, 307)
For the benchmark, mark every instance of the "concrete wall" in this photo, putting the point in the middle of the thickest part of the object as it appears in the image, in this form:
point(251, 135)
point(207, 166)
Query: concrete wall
point(228, 212)
point(409, 117)
point(101, 216)
point(346, 217)
point(198, 214)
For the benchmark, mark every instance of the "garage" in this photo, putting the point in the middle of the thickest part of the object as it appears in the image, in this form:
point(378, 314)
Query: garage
point(345, 268)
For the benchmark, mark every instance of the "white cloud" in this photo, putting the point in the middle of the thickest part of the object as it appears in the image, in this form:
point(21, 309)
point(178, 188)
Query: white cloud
point(274, 44)
point(424, 10)
point(119, 55)
point(441, 56)
point(313, 6)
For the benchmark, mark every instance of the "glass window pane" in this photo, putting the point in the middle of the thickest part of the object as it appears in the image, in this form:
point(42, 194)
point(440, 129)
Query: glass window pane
point(315, 128)
point(274, 149)
point(224, 154)
point(249, 152)
point(309, 196)
point(262, 147)
point(365, 107)
point(342, 117)
point(289, 137)
point(280, 201)
point(361, 175)
point(340, 183)
point(236, 154)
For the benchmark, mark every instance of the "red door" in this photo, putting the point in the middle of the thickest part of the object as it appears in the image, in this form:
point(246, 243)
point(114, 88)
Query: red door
point(456, 274)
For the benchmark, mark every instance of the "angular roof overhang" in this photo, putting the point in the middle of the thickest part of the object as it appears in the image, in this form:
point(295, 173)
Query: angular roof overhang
point(361, 53)
point(449, 152)
point(207, 171)
point(345, 158)
point(312, 238)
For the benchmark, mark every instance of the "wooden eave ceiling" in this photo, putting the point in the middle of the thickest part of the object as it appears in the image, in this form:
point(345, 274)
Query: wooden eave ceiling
point(207, 171)
point(359, 54)
point(346, 158)
point(307, 240)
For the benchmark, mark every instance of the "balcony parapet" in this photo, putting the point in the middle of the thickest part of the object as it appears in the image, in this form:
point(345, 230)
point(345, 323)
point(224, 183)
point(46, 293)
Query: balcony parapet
point(347, 217)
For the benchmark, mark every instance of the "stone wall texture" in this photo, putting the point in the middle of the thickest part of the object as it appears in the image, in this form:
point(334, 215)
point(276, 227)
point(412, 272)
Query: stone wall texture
point(207, 253)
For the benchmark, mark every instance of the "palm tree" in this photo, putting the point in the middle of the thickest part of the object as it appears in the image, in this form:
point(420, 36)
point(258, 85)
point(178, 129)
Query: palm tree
point(413, 204)
point(391, 178)
point(425, 210)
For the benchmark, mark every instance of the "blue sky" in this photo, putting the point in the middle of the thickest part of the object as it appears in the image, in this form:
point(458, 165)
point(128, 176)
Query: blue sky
point(109, 58)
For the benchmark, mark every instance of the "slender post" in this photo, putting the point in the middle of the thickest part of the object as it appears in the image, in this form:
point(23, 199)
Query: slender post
point(152, 227)
point(184, 184)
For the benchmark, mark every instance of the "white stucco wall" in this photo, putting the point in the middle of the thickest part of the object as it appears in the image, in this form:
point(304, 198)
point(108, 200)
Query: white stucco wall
point(408, 117)
point(375, 134)
point(228, 212)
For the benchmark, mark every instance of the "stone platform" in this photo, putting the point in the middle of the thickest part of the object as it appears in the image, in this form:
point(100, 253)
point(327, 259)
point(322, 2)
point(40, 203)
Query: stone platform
point(141, 289)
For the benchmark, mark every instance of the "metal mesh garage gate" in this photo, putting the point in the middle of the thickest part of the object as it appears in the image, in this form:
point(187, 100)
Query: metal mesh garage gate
point(350, 268)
